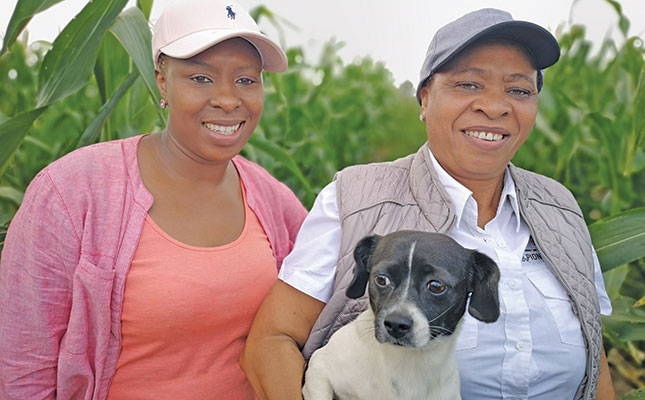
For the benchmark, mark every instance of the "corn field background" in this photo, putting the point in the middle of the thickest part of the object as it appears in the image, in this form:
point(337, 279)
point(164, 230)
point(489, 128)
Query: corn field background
point(95, 82)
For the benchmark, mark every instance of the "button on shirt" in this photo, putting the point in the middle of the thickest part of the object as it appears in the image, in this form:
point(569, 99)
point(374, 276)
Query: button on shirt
point(534, 350)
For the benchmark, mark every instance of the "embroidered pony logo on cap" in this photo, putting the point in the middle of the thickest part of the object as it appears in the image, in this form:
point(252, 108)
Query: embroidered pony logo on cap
point(231, 13)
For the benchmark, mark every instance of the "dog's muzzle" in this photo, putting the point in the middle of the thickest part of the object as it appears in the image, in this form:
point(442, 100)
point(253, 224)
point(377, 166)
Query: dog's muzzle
point(398, 324)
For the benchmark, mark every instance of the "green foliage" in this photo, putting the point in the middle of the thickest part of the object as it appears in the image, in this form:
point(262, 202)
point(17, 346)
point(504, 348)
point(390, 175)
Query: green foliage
point(96, 82)
point(638, 394)
point(328, 116)
point(22, 14)
point(589, 136)
point(589, 131)
point(88, 84)
point(12, 133)
point(133, 33)
point(67, 67)
point(619, 239)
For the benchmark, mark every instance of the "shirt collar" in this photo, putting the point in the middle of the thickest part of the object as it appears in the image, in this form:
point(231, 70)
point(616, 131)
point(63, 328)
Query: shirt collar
point(460, 195)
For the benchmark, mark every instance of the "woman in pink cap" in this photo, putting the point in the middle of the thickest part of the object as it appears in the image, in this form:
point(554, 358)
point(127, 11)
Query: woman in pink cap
point(134, 268)
point(478, 91)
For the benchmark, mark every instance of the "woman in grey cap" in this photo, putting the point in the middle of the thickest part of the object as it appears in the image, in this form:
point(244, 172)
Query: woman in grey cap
point(478, 92)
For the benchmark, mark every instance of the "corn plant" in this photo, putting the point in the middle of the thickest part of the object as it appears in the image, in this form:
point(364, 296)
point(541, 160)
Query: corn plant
point(95, 82)
point(589, 136)
point(337, 121)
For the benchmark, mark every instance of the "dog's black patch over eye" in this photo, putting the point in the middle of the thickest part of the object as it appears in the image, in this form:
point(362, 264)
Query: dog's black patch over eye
point(436, 287)
point(382, 280)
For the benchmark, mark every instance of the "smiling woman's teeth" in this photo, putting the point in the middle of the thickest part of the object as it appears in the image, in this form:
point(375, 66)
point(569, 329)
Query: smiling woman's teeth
point(493, 137)
point(222, 129)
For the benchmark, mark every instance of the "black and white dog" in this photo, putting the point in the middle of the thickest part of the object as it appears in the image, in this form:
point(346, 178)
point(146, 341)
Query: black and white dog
point(403, 345)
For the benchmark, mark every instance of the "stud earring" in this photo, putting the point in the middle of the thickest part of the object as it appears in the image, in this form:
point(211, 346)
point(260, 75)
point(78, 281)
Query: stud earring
point(421, 117)
point(163, 103)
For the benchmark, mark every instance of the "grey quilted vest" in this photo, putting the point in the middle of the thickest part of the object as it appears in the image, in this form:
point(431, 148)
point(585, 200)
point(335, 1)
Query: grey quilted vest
point(406, 194)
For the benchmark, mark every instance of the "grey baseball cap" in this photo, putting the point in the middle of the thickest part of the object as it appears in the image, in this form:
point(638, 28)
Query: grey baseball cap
point(454, 37)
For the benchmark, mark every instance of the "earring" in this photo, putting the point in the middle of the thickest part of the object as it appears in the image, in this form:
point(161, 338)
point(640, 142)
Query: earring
point(421, 117)
point(163, 103)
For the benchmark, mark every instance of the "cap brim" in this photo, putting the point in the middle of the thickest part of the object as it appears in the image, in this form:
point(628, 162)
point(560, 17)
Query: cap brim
point(539, 42)
point(273, 58)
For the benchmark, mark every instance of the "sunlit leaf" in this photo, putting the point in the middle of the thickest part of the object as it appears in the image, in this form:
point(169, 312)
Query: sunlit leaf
point(640, 303)
point(132, 30)
point(619, 239)
point(22, 14)
point(12, 194)
point(67, 67)
point(39, 143)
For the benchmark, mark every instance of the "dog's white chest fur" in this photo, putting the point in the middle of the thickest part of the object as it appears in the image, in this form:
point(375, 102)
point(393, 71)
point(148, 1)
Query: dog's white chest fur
point(354, 365)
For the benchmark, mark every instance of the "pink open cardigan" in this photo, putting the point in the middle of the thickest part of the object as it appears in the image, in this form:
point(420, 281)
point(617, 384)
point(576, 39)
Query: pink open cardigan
point(65, 261)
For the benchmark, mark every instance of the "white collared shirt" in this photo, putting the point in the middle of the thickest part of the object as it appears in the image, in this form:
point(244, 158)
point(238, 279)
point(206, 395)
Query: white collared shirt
point(535, 349)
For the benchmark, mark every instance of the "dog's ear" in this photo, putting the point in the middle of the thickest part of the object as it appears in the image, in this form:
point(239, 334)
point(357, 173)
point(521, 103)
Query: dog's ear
point(362, 254)
point(484, 301)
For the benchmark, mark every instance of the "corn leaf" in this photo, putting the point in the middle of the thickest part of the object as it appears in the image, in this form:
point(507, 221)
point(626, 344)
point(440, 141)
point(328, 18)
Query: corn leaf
point(614, 280)
point(263, 11)
point(12, 134)
point(133, 32)
point(11, 193)
point(92, 132)
point(640, 302)
point(625, 320)
point(22, 14)
point(109, 76)
point(280, 155)
point(638, 125)
point(623, 22)
point(636, 394)
point(67, 67)
point(619, 239)
point(146, 7)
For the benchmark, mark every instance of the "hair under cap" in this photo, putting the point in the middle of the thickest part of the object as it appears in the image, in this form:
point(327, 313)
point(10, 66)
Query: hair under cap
point(454, 37)
point(188, 27)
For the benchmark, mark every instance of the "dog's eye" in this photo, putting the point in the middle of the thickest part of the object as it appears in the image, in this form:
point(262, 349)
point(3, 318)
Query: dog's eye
point(436, 287)
point(382, 280)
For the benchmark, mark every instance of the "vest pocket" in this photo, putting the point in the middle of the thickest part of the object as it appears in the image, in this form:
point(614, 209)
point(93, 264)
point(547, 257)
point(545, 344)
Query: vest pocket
point(558, 303)
point(89, 316)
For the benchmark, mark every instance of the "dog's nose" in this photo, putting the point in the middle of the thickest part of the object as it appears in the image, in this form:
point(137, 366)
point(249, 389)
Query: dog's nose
point(398, 324)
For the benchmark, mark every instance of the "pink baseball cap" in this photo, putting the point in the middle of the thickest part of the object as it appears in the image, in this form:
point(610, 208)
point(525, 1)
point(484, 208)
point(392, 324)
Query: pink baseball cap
point(188, 27)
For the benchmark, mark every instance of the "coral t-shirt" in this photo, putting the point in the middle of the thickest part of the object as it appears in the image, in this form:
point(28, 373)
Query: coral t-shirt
point(187, 312)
